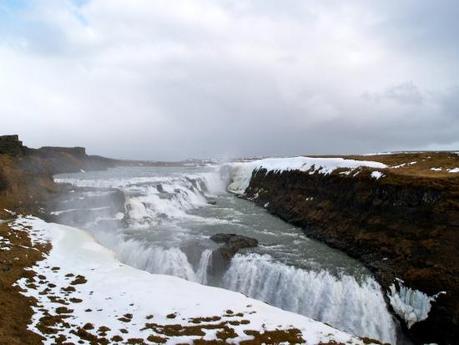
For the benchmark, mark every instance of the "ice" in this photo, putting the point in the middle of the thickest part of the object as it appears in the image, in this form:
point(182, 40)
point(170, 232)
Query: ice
point(411, 305)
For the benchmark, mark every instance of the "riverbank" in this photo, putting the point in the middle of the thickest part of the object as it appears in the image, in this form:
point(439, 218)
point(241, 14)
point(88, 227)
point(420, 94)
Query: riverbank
point(400, 218)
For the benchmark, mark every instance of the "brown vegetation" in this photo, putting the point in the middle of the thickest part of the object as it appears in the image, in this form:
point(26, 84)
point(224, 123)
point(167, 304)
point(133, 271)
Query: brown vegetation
point(16, 311)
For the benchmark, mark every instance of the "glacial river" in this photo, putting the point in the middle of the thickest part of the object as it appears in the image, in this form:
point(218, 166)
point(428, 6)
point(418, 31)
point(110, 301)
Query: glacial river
point(167, 215)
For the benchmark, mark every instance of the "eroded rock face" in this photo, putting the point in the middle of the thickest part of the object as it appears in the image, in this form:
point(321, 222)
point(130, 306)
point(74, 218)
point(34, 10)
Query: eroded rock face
point(232, 243)
point(400, 226)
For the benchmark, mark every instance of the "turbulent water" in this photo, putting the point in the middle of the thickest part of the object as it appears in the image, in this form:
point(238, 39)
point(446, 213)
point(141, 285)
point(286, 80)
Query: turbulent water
point(167, 215)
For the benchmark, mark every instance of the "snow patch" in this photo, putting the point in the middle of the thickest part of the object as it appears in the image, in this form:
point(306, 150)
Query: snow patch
point(9, 212)
point(376, 175)
point(242, 172)
point(111, 290)
point(5, 243)
point(454, 170)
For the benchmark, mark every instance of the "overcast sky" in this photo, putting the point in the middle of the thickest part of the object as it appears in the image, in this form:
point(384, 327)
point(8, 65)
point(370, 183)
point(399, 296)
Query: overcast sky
point(177, 79)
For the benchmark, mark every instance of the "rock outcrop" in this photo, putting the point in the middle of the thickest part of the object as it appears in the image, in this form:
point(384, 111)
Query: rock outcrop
point(231, 244)
point(26, 182)
point(400, 226)
point(11, 145)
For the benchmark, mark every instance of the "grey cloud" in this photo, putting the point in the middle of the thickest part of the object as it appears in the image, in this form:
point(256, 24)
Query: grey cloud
point(163, 80)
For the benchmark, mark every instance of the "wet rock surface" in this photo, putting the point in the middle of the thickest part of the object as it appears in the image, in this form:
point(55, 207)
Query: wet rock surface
point(399, 226)
point(231, 244)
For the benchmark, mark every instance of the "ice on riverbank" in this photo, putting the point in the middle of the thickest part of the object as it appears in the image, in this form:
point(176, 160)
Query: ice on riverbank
point(86, 292)
point(411, 305)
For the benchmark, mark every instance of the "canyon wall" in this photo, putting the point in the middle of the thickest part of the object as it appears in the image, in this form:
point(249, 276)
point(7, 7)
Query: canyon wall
point(400, 226)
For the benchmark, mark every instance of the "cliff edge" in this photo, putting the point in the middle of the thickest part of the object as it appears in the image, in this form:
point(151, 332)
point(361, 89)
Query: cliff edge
point(402, 221)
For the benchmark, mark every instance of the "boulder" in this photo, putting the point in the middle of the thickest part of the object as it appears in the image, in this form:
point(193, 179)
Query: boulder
point(235, 241)
point(232, 243)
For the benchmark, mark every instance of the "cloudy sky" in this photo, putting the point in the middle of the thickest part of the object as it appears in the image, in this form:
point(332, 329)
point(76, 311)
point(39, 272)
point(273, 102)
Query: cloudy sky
point(176, 79)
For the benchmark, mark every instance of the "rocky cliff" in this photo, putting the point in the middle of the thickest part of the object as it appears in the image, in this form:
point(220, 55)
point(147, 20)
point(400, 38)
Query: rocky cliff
point(11, 145)
point(404, 225)
point(26, 182)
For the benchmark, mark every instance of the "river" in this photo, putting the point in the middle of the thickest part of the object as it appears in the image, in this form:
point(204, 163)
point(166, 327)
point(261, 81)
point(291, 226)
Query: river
point(160, 219)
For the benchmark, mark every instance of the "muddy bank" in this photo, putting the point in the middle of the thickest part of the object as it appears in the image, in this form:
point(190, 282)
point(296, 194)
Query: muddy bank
point(401, 226)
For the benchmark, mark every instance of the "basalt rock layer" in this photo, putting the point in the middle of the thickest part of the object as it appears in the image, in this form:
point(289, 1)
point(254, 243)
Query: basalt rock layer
point(231, 244)
point(401, 226)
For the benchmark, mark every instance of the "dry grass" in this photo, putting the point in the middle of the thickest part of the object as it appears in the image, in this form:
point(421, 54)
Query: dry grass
point(399, 163)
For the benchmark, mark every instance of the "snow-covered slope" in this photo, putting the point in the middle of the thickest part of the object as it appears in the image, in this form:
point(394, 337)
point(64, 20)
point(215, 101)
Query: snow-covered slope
point(242, 172)
point(82, 291)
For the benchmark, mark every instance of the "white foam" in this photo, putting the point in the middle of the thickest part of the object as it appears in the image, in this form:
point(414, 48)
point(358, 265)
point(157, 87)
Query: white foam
point(149, 200)
point(358, 308)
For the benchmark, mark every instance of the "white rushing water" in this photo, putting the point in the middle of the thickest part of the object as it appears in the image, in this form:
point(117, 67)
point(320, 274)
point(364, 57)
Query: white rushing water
point(339, 301)
point(167, 222)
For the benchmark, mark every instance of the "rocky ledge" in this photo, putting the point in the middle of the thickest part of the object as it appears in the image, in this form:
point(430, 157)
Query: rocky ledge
point(403, 223)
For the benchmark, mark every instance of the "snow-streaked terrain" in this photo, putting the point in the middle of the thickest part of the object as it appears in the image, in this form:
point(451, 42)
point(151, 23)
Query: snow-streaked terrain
point(242, 172)
point(96, 289)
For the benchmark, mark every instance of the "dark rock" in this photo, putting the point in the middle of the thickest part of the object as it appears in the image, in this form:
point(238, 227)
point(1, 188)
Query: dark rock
point(11, 145)
point(232, 243)
point(235, 241)
point(75, 151)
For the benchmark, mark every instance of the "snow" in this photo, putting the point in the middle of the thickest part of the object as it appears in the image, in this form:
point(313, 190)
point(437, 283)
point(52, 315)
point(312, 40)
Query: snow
point(436, 169)
point(402, 165)
point(453, 170)
point(411, 305)
point(112, 290)
point(9, 212)
point(376, 175)
point(5, 243)
point(242, 172)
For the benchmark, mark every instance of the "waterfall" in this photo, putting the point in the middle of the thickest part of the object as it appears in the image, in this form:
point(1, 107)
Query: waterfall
point(358, 308)
point(204, 262)
point(156, 238)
